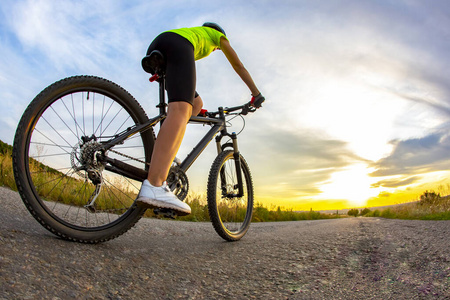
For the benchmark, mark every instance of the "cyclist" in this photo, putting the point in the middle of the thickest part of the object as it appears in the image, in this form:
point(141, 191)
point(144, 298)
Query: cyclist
point(181, 48)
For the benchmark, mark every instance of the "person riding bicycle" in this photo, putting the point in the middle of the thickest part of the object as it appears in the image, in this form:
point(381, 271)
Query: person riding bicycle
point(181, 48)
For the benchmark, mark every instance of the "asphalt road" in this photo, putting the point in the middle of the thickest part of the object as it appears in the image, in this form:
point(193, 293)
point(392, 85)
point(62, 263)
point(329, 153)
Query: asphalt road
point(352, 258)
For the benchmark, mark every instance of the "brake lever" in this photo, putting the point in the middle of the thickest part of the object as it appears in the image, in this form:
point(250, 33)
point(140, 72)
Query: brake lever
point(251, 108)
point(246, 109)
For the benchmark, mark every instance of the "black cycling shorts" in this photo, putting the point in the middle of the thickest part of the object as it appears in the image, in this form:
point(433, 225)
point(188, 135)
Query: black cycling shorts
point(180, 66)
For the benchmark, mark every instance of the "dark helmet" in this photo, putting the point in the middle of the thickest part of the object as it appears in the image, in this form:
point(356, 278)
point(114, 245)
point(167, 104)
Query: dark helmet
point(214, 26)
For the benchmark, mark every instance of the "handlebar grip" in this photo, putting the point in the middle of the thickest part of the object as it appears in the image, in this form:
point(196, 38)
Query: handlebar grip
point(257, 101)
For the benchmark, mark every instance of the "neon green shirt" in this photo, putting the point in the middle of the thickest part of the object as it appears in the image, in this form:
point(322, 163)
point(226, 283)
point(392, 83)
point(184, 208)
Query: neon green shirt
point(204, 39)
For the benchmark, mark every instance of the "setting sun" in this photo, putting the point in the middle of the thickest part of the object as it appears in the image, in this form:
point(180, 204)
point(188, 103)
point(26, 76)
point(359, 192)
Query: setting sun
point(352, 184)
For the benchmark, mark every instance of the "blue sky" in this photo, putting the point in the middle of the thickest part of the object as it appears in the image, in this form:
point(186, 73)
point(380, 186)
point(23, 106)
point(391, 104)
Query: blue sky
point(357, 92)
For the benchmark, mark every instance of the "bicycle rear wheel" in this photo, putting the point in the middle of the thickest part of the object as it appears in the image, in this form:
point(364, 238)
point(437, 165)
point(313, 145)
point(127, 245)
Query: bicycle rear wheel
point(230, 214)
point(55, 158)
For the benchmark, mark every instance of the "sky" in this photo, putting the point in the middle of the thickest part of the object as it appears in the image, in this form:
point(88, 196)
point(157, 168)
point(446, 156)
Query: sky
point(357, 92)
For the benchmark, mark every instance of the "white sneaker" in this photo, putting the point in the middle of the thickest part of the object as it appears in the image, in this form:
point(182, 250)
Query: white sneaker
point(161, 197)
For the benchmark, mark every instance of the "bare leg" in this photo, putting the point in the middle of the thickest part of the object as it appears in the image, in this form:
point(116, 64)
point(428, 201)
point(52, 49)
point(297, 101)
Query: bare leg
point(198, 104)
point(168, 142)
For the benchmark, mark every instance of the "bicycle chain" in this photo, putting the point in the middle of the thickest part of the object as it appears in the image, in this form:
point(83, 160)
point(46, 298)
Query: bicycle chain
point(175, 175)
point(127, 156)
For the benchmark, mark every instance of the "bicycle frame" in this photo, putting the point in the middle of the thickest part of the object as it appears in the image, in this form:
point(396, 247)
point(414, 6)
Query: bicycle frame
point(218, 125)
point(87, 193)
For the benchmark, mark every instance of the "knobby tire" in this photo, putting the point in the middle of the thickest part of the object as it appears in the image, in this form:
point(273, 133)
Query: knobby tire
point(48, 151)
point(230, 216)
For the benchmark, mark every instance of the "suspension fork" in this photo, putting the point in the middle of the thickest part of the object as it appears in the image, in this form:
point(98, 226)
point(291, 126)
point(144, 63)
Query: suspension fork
point(237, 160)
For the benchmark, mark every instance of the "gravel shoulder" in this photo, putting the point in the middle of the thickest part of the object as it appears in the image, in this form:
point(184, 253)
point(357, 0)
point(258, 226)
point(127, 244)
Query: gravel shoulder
point(351, 258)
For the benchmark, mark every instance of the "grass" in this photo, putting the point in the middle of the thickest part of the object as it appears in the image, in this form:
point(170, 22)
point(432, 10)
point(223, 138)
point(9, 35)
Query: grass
point(55, 186)
point(431, 206)
point(260, 212)
point(6, 171)
point(263, 214)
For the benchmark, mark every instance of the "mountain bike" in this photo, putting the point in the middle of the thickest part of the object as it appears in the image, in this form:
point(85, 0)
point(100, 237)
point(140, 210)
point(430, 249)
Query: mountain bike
point(84, 145)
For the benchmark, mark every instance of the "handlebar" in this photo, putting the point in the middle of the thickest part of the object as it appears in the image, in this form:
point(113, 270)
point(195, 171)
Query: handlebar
point(244, 109)
point(251, 106)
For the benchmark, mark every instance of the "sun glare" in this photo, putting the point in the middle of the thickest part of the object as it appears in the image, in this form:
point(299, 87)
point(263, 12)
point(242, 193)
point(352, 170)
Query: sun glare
point(350, 110)
point(352, 184)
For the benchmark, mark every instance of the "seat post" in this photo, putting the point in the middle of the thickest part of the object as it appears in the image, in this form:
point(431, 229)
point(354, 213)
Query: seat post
point(162, 94)
point(162, 97)
point(155, 64)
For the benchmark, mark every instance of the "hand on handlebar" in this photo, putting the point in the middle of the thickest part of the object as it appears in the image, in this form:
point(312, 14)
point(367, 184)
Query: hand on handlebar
point(251, 106)
point(257, 100)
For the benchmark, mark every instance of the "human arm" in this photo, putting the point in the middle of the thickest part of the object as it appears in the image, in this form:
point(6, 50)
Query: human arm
point(238, 66)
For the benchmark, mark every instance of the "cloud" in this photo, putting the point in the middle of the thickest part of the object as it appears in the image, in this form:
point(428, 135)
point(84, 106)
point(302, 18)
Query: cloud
point(398, 182)
point(296, 160)
point(416, 155)
point(68, 35)
point(303, 150)
point(439, 107)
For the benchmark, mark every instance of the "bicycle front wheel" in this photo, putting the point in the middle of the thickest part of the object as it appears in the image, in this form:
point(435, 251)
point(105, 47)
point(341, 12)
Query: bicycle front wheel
point(57, 147)
point(230, 212)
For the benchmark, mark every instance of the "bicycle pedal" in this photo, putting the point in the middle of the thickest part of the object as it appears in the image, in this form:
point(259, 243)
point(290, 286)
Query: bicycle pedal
point(165, 213)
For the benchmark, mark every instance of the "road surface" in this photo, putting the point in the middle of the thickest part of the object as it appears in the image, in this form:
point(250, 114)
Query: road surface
point(350, 258)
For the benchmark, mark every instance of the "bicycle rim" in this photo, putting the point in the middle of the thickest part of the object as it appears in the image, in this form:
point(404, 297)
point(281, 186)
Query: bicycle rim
point(230, 215)
point(61, 181)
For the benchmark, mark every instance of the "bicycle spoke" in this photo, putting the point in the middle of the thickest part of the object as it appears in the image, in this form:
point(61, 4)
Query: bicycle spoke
point(47, 155)
point(103, 117)
point(93, 113)
point(75, 116)
point(115, 116)
point(64, 122)
point(54, 179)
point(50, 145)
point(55, 138)
point(50, 140)
point(82, 110)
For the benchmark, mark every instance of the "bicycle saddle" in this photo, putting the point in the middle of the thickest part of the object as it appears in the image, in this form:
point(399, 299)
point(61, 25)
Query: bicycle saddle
point(154, 63)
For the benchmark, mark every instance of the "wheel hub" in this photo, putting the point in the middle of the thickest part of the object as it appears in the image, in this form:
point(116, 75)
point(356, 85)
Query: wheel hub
point(84, 157)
